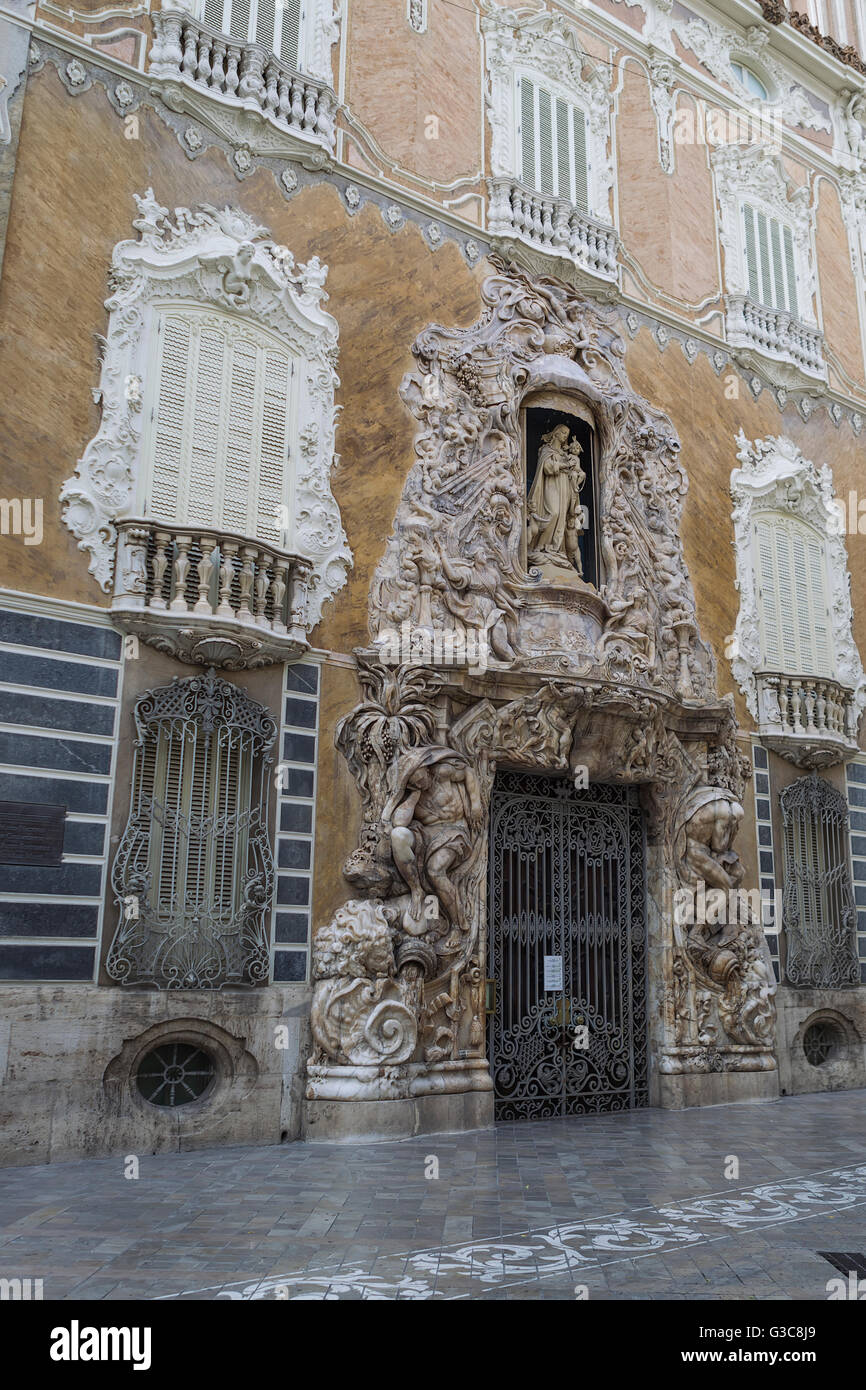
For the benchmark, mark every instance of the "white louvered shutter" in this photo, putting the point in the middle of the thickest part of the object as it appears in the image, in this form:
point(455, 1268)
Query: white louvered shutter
point(770, 262)
point(552, 142)
point(219, 438)
point(275, 24)
point(792, 599)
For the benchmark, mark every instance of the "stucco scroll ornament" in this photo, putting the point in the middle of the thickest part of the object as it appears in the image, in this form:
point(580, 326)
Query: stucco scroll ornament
point(728, 955)
point(358, 1016)
point(220, 259)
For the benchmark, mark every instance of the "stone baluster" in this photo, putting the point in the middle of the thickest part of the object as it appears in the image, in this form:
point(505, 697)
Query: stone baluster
point(821, 692)
point(279, 585)
point(228, 553)
point(271, 99)
point(546, 221)
point(233, 58)
point(190, 51)
point(325, 119)
point(809, 706)
point(203, 67)
point(796, 706)
point(205, 574)
point(179, 575)
point(248, 555)
point(163, 542)
point(218, 72)
point(297, 116)
point(310, 95)
point(166, 55)
point(260, 588)
point(284, 98)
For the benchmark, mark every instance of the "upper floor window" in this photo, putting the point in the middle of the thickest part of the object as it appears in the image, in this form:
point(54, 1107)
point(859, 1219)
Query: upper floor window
point(275, 24)
point(793, 649)
point(218, 411)
point(748, 79)
point(550, 111)
point(770, 263)
point(793, 597)
point(220, 403)
point(552, 138)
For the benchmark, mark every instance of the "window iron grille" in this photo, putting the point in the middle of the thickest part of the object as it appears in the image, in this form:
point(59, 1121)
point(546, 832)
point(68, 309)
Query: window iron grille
point(194, 872)
point(818, 910)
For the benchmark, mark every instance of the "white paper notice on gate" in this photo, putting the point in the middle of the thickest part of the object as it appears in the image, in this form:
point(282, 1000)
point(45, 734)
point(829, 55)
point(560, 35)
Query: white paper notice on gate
point(553, 972)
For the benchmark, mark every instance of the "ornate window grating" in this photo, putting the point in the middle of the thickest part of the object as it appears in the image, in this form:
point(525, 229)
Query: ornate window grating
point(822, 1042)
point(818, 910)
point(194, 873)
point(175, 1074)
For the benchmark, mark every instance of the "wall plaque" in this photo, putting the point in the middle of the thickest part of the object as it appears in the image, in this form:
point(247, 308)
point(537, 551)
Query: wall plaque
point(31, 834)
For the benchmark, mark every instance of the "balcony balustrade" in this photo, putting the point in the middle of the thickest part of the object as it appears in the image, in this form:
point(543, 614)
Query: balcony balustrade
point(552, 225)
point(810, 720)
point(210, 597)
point(191, 56)
point(775, 334)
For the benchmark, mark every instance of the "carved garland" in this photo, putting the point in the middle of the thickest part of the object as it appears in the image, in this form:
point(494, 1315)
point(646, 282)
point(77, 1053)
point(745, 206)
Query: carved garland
point(224, 259)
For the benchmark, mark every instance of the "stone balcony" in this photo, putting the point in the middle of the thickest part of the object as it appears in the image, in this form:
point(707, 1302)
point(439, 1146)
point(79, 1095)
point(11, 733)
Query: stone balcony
point(552, 226)
point(208, 597)
point(776, 336)
point(239, 89)
point(809, 720)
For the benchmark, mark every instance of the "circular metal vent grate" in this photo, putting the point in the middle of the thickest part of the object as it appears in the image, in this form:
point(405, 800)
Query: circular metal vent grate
point(822, 1042)
point(174, 1074)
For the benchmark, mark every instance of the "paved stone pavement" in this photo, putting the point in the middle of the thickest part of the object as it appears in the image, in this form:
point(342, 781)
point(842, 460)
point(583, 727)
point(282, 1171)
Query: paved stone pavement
point(629, 1206)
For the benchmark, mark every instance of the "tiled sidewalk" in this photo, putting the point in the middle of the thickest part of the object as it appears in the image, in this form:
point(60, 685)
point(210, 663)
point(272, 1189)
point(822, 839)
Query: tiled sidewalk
point(627, 1206)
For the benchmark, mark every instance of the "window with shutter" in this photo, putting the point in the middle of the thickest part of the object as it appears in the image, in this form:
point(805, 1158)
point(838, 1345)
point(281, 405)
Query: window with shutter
point(770, 264)
point(196, 855)
point(218, 424)
point(794, 618)
point(552, 144)
point(275, 24)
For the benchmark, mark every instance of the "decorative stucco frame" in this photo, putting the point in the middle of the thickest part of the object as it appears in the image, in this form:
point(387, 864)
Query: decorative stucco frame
point(545, 47)
point(755, 174)
point(774, 477)
point(223, 259)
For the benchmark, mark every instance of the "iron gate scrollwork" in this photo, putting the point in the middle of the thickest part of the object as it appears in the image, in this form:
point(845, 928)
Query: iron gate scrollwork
point(566, 880)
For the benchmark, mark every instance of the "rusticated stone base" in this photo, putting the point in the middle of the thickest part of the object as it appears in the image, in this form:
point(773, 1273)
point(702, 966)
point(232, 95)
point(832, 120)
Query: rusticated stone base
point(368, 1120)
point(716, 1088)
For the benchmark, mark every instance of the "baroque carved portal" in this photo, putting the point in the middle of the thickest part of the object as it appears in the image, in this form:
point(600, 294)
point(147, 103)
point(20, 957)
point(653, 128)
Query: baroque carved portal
point(521, 664)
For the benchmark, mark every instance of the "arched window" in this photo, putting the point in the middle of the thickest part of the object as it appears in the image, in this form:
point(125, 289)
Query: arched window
point(194, 872)
point(818, 911)
point(748, 79)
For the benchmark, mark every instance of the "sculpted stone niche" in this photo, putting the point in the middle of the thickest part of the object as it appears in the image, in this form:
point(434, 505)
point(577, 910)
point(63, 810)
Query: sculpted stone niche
point(604, 677)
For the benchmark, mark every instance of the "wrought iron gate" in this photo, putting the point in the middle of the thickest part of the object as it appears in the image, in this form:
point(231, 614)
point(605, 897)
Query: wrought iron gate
point(566, 896)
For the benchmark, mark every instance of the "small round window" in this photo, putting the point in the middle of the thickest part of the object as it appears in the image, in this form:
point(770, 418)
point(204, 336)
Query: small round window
point(174, 1074)
point(822, 1042)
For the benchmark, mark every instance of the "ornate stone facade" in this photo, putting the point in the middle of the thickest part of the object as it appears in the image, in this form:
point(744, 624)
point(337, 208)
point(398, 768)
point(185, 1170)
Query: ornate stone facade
point(610, 682)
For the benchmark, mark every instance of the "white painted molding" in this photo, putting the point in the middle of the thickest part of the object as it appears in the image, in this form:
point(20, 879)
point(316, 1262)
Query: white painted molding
point(775, 478)
point(223, 259)
point(545, 47)
point(755, 173)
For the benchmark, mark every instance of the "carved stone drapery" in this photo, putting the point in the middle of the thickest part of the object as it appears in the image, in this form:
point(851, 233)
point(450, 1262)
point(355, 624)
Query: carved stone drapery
point(613, 684)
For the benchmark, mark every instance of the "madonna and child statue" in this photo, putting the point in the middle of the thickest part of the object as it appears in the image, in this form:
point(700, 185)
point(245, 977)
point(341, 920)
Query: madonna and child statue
point(556, 519)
